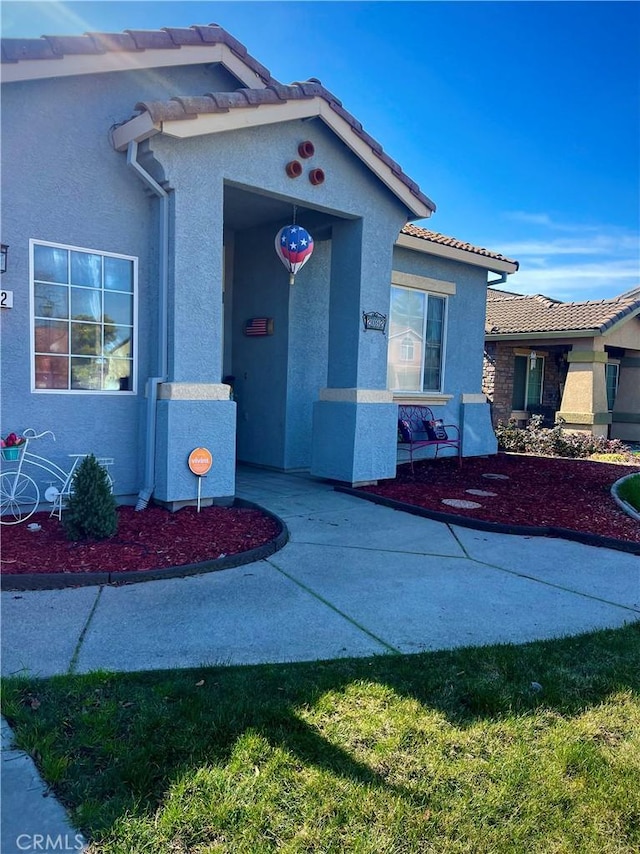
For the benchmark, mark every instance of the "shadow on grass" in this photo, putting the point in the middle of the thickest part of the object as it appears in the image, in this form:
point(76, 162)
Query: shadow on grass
point(123, 740)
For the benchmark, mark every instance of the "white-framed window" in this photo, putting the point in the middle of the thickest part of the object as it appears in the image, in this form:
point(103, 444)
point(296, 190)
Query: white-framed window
point(612, 374)
point(417, 321)
point(84, 319)
point(528, 380)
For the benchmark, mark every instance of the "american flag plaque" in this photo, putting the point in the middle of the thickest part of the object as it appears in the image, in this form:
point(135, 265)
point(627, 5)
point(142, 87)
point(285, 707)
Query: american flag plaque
point(256, 326)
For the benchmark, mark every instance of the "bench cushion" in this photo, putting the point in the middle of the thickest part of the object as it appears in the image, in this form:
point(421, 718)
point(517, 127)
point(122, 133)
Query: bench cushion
point(435, 430)
point(404, 430)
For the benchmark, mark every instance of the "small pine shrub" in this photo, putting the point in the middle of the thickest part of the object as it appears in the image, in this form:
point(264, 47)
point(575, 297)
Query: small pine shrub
point(91, 512)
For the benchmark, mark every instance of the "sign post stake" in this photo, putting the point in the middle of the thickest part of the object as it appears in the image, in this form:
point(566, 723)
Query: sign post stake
point(200, 462)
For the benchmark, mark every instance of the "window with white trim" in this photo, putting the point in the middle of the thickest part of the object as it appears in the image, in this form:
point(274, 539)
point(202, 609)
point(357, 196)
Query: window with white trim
point(415, 357)
point(83, 319)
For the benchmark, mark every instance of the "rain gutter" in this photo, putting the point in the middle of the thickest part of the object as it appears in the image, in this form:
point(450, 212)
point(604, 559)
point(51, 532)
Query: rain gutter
point(162, 354)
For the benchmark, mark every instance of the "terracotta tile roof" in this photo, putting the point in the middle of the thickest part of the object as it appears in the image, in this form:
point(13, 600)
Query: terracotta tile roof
point(167, 38)
point(178, 108)
point(511, 314)
point(175, 109)
point(454, 243)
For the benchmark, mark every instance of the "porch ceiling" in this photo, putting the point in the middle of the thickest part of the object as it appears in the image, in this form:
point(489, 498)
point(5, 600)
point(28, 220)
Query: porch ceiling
point(247, 209)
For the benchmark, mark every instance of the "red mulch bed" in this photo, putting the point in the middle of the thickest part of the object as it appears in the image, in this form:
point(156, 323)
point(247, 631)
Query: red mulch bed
point(148, 539)
point(541, 491)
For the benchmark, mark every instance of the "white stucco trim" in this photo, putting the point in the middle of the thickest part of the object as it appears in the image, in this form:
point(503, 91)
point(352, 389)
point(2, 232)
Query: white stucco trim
point(420, 244)
point(424, 399)
point(194, 391)
point(135, 130)
point(122, 60)
point(240, 118)
point(423, 283)
point(356, 395)
point(474, 398)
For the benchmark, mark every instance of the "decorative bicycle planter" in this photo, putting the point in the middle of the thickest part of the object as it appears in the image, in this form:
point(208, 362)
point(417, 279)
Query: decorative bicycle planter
point(20, 494)
point(13, 453)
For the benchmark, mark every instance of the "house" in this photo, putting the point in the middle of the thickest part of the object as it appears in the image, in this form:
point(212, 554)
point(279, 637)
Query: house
point(579, 361)
point(145, 176)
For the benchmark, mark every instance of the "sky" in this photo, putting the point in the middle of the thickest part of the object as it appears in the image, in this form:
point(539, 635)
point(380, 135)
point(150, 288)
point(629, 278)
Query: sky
point(520, 120)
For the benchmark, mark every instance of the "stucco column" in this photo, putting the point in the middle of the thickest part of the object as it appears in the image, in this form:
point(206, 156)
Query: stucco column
point(355, 419)
point(194, 409)
point(584, 401)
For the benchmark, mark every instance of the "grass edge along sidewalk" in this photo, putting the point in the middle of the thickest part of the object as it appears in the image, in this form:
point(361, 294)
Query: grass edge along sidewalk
point(528, 748)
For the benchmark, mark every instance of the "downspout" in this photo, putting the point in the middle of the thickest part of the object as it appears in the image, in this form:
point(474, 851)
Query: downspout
point(500, 281)
point(153, 382)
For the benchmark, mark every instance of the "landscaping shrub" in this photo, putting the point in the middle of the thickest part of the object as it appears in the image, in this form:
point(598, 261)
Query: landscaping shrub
point(554, 441)
point(91, 512)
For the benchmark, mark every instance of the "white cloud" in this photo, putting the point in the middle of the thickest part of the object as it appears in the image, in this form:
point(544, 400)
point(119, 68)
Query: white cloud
point(598, 245)
point(570, 261)
point(578, 281)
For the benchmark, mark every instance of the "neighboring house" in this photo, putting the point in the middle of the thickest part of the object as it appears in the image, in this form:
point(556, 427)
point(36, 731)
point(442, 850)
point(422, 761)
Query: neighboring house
point(145, 176)
point(578, 360)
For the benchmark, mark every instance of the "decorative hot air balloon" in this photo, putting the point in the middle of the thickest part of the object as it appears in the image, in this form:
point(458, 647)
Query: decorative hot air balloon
point(294, 246)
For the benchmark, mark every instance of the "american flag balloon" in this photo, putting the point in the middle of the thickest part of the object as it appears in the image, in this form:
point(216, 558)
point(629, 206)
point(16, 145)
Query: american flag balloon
point(294, 246)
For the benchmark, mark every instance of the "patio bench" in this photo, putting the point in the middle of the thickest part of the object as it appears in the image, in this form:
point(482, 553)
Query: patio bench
point(418, 428)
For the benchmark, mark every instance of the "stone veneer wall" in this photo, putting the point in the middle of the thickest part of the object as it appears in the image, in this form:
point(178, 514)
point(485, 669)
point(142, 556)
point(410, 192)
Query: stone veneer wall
point(497, 378)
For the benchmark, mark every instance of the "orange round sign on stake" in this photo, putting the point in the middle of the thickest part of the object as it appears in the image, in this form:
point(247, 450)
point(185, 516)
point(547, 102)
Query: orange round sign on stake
point(200, 461)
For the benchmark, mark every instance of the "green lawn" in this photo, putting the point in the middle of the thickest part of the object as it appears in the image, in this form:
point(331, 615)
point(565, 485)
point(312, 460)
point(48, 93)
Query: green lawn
point(440, 752)
point(630, 491)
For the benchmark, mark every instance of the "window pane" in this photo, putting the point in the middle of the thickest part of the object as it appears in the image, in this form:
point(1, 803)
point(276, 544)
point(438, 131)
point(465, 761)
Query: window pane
point(118, 340)
point(85, 304)
point(433, 344)
point(612, 384)
point(407, 310)
point(50, 264)
point(520, 367)
point(118, 308)
point(404, 358)
point(52, 336)
point(52, 372)
point(87, 374)
point(118, 375)
point(86, 339)
point(51, 301)
point(534, 382)
point(118, 274)
point(86, 269)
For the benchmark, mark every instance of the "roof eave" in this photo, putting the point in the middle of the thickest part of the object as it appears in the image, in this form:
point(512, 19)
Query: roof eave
point(421, 244)
point(142, 127)
point(78, 64)
point(527, 336)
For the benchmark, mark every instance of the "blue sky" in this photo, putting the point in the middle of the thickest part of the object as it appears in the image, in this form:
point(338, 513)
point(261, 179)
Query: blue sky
point(520, 120)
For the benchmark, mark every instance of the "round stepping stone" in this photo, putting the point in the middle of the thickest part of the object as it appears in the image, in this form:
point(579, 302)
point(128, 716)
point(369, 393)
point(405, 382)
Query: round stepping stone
point(461, 503)
point(481, 492)
point(496, 476)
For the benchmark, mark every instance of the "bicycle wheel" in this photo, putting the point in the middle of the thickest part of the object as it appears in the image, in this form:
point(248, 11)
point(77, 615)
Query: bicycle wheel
point(19, 497)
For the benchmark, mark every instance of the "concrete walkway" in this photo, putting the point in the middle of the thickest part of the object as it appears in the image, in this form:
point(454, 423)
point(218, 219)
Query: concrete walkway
point(356, 579)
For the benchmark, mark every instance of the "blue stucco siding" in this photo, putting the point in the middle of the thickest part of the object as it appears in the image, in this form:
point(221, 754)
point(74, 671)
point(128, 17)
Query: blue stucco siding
point(64, 183)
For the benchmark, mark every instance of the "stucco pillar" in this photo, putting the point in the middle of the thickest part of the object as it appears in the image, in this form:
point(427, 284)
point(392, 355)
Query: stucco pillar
point(626, 412)
point(355, 418)
point(584, 401)
point(194, 409)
